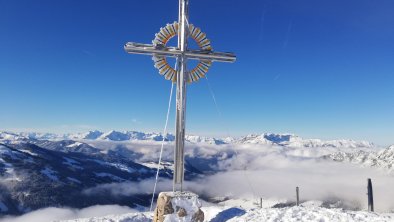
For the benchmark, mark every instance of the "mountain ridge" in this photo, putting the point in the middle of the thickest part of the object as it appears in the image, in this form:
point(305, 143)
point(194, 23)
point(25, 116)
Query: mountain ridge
point(273, 139)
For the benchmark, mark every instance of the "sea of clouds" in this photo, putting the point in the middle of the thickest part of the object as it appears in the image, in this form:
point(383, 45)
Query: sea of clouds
point(249, 171)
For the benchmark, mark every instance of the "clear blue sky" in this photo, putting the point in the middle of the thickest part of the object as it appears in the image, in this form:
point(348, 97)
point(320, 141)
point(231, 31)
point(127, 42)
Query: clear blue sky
point(318, 69)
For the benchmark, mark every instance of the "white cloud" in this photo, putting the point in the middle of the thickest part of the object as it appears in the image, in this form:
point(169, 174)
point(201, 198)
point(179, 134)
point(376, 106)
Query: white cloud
point(130, 188)
point(255, 171)
point(55, 214)
point(268, 172)
point(135, 121)
point(275, 173)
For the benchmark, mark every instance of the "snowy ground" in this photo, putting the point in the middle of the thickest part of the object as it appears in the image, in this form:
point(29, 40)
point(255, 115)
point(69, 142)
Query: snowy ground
point(235, 210)
point(242, 210)
point(233, 214)
point(310, 214)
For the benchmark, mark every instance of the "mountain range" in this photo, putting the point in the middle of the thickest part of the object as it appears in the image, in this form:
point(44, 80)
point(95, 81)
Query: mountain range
point(290, 140)
point(382, 159)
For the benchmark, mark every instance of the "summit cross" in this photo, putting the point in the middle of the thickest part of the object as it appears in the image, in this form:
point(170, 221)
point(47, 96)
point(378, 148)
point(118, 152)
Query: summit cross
point(180, 75)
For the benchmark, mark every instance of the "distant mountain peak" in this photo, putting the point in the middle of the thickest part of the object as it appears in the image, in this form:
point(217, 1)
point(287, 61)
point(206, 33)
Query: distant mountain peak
point(273, 139)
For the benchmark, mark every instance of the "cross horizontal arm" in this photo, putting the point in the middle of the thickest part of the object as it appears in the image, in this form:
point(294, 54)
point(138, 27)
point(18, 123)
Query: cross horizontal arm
point(147, 49)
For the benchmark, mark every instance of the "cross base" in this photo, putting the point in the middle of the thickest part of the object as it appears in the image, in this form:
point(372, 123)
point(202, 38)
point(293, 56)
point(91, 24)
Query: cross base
point(178, 206)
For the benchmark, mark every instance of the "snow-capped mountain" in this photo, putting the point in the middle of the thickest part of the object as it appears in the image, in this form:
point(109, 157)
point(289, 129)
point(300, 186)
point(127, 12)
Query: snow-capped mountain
point(288, 140)
point(8, 136)
point(383, 159)
point(115, 136)
point(90, 135)
point(34, 177)
point(43, 173)
point(201, 139)
point(41, 136)
point(134, 135)
point(292, 140)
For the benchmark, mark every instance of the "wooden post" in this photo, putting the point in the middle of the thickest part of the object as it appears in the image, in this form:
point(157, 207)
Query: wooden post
point(370, 196)
point(261, 203)
point(297, 196)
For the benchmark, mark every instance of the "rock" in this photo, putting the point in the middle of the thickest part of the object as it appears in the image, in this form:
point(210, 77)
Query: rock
point(181, 212)
point(173, 206)
point(164, 207)
point(198, 216)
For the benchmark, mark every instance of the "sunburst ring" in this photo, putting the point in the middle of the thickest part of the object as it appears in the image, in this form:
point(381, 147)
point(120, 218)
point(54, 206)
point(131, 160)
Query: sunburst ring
point(163, 37)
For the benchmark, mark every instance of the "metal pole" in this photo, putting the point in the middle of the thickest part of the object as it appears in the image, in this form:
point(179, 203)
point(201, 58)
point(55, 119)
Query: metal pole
point(181, 95)
point(297, 196)
point(146, 49)
point(370, 196)
point(261, 203)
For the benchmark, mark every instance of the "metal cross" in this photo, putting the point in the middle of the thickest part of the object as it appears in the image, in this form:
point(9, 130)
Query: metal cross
point(182, 54)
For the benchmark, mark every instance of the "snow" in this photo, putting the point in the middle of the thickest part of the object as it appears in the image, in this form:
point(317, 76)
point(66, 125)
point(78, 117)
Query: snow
point(115, 136)
point(255, 159)
point(163, 165)
point(41, 136)
point(72, 163)
point(122, 167)
point(29, 152)
point(74, 180)
point(250, 203)
point(109, 175)
point(98, 161)
point(200, 139)
point(91, 135)
point(311, 214)
point(382, 159)
point(50, 174)
point(131, 217)
point(236, 214)
point(133, 135)
point(10, 174)
point(3, 207)
point(8, 152)
point(289, 140)
point(186, 200)
point(9, 136)
point(76, 144)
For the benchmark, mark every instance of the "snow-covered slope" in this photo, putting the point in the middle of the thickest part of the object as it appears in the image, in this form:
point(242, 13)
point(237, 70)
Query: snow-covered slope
point(310, 214)
point(43, 173)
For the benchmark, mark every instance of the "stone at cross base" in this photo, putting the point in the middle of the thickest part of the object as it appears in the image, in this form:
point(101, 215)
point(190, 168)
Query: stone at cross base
point(178, 206)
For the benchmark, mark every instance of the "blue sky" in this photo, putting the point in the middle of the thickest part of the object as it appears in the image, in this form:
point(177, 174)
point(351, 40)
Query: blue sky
point(318, 69)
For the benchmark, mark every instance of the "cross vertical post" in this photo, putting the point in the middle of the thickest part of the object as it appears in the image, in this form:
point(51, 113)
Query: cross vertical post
point(181, 95)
